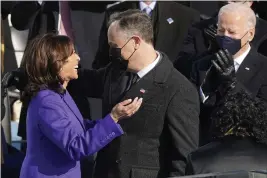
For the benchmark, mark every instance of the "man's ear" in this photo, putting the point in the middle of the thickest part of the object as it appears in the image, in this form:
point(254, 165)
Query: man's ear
point(137, 41)
point(250, 3)
point(251, 34)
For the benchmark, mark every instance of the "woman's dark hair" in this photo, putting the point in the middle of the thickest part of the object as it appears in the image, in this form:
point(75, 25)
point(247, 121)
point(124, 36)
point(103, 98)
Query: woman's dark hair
point(43, 59)
point(240, 115)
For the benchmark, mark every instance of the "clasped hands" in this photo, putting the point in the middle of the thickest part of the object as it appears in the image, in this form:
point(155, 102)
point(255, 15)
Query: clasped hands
point(221, 76)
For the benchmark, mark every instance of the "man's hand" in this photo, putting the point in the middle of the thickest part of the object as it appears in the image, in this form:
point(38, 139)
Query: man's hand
point(225, 69)
point(210, 33)
point(16, 78)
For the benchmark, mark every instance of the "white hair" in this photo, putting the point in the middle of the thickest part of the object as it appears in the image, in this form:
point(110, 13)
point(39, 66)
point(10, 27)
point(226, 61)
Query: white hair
point(242, 10)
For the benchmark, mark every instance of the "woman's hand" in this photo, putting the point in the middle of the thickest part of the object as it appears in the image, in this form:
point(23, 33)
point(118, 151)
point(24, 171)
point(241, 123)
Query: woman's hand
point(126, 108)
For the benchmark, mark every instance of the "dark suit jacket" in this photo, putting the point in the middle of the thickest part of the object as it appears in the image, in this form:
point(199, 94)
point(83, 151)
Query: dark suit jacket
point(260, 8)
point(251, 76)
point(197, 43)
point(263, 46)
point(159, 136)
point(230, 154)
point(167, 37)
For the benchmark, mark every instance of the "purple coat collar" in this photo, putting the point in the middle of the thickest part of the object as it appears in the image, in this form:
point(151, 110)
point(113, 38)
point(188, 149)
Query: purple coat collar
point(67, 99)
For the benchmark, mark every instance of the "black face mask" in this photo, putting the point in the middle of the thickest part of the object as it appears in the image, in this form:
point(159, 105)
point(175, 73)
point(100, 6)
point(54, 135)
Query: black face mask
point(232, 45)
point(116, 57)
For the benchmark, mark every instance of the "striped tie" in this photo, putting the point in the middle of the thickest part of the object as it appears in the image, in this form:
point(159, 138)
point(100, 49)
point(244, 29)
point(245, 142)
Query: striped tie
point(148, 10)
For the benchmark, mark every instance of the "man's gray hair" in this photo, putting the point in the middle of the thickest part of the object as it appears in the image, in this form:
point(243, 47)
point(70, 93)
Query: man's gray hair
point(241, 9)
point(134, 22)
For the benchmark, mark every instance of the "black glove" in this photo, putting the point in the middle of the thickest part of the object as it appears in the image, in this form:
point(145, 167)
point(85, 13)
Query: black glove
point(17, 78)
point(225, 69)
point(210, 33)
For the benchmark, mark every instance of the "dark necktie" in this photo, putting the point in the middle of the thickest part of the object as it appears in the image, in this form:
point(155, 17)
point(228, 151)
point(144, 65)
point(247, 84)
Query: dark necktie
point(126, 83)
point(132, 79)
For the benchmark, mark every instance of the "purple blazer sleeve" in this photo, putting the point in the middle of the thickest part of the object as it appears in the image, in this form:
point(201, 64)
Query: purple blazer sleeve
point(56, 124)
point(89, 124)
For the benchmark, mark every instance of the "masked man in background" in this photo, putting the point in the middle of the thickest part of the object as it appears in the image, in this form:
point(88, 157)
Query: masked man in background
point(237, 65)
point(201, 38)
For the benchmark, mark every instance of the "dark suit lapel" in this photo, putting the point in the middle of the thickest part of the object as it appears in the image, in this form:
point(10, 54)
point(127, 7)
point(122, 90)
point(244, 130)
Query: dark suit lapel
point(117, 85)
point(146, 88)
point(202, 68)
point(72, 106)
point(56, 20)
point(135, 5)
point(202, 75)
point(56, 13)
point(161, 26)
point(249, 67)
point(155, 22)
point(153, 83)
point(50, 18)
point(167, 24)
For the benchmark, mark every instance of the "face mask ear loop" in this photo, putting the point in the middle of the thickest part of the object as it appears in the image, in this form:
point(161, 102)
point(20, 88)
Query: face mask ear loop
point(131, 55)
point(126, 43)
point(244, 35)
point(242, 38)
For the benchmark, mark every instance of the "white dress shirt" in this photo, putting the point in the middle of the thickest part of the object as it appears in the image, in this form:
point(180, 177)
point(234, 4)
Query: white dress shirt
point(148, 68)
point(149, 7)
point(237, 62)
point(59, 18)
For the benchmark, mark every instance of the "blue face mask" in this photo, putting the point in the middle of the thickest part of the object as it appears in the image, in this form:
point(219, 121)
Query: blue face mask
point(232, 45)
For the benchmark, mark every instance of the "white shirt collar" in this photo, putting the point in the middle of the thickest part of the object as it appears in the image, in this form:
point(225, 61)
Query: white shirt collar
point(143, 5)
point(148, 68)
point(241, 58)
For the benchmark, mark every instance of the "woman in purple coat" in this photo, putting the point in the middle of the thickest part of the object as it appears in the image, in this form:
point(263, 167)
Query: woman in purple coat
point(58, 137)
